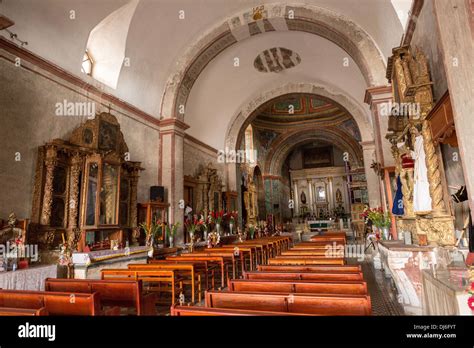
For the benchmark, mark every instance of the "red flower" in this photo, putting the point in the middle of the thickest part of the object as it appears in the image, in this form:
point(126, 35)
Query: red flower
point(470, 303)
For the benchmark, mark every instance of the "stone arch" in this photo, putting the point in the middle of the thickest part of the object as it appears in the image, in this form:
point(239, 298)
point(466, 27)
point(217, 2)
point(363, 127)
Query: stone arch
point(250, 107)
point(275, 17)
point(248, 110)
point(283, 146)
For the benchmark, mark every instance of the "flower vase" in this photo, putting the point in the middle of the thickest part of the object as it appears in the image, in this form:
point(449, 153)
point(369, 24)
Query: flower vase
point(231, 227)
point(385, 233)
point(205, 235)
point(171, 240)
point(218, 229)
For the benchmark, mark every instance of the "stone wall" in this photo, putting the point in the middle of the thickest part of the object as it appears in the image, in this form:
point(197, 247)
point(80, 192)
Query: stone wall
point(426, 37)
point(28, 97)
point(197, 155)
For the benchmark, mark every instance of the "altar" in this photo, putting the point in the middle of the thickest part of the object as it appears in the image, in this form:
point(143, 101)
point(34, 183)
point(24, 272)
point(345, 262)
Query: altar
point(27, 279)
point(88, 265)
point(404, 264)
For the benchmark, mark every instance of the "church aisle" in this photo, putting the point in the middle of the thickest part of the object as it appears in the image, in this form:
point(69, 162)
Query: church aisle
point(382, 294)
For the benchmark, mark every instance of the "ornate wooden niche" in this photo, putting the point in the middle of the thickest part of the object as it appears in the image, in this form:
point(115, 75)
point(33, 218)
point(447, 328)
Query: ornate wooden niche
point(409, 74)
point(85, 188)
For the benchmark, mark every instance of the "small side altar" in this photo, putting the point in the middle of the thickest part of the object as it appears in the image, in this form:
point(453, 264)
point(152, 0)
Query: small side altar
point(89, 264)
point(404, 264)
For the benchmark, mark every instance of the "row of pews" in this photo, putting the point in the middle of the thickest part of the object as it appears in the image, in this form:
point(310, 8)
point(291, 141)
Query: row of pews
point(309, 278)
point(266, 276)
point(137, 289)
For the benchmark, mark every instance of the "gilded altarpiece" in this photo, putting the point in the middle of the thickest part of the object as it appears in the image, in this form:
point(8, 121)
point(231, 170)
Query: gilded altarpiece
point(412, 94)
point(85, 189)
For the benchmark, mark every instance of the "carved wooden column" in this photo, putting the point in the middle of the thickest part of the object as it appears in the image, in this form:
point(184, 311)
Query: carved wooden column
point(133, 206)
point(50, 163)
point(73, 232)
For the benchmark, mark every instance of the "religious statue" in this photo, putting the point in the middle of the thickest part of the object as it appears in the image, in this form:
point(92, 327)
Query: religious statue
point(421, 193)
point(303, 197)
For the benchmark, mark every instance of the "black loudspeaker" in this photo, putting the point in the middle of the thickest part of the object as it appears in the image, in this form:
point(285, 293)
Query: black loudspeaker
point(157, 194)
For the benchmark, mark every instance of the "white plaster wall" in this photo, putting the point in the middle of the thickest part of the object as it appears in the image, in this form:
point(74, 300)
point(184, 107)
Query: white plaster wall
point(28, 120)
point(157, 37)
point(222, 88)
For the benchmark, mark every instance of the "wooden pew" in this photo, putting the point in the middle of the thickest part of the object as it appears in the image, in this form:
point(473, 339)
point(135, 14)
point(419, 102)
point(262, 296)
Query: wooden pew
point(320, 253)
point(322, 304)
point(247, 250)
point(188, 270)
point(311, 268)
point(220, 261)
point(299, 286)
point(17, 312)
point(121, 293)
point(227, 255)
point(206, 268)
point(326, 239)
point(185, 311)
point(55, 303)
point(152, 279)
point(316, 276)
point(305, 260)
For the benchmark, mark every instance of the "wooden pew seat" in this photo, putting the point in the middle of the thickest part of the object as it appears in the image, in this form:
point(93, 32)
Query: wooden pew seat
point(299, 286)
point(306, 260)
point(322, 304)
point(316, 276)
point(16, 312)
point(56, 303)
point(184, 311)
point(311, 268)
point(122, 293)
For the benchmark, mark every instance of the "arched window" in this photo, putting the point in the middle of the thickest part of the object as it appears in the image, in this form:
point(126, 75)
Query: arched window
point(107, 43)
point(87, 64)
point(249, 149)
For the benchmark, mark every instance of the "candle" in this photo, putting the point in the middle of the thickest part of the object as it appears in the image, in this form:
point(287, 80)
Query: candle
point(64, 240)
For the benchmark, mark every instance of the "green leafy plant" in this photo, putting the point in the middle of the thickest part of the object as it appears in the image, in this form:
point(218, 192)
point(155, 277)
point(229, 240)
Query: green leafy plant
point(251, 231)
point(152, 232)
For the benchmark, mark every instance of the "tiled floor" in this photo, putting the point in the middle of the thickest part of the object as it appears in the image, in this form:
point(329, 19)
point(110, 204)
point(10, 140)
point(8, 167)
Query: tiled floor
point(382, 294)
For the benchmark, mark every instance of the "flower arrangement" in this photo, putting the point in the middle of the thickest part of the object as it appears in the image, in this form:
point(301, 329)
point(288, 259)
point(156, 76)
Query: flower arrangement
point(152, 232)
point(378, 217)
point(233, 217)
point(171, 231)
point(251, 231)
point(193, 224)
point(470, 300)
point(218, 216)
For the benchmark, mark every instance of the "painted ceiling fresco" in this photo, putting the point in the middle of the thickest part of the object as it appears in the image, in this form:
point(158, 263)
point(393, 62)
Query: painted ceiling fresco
point(276, 59)
point(302, 109)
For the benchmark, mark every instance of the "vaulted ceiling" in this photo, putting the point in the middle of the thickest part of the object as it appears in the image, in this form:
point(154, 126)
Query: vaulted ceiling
point(162, 32)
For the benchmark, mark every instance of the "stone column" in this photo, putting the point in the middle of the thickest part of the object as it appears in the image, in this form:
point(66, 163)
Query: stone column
point(171, 171)
point(457, 46)
point(373, 180)
point(379, 100)
point(310, 190)
point(330, 194)
point(50, 163)
point(295, 197)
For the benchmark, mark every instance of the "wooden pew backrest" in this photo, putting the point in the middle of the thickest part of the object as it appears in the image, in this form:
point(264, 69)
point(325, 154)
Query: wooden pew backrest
point(315, 276)
point(311, 268)
point(299, 286)
point(294, 303)
point(56, 303)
